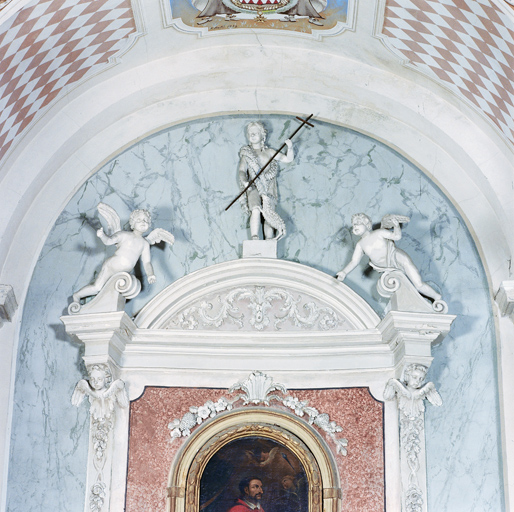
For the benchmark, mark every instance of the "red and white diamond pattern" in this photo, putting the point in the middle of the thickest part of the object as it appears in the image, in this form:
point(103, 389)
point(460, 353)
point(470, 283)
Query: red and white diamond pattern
point(468, 44)
point(50, 44)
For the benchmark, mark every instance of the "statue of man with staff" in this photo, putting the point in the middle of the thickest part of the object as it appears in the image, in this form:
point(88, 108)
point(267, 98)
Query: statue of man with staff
point(260, 200)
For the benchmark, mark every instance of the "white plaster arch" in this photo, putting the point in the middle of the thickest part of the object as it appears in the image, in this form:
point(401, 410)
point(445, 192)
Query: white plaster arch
point(273, 273)
point(368, 91)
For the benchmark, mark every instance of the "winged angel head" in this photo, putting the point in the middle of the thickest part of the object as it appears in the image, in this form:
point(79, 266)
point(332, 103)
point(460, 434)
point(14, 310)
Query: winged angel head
point(102, 393)
point(130, 247)
point(410, 391)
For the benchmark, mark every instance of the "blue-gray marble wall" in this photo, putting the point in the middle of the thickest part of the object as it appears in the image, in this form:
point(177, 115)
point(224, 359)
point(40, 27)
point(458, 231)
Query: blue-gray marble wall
point(186, 176)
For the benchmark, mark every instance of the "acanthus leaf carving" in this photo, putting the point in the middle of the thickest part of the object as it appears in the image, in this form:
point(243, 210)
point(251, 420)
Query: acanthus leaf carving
point(262, 303)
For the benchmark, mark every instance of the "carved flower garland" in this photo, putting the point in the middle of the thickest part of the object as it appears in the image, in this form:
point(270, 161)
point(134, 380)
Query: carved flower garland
point(257, 388)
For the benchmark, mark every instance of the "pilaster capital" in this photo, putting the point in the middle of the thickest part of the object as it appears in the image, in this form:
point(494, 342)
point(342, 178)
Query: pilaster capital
point(412, 335)
point(104, 335)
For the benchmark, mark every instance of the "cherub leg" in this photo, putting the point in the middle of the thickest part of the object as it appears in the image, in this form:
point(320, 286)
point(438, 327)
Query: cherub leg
point(407, 265)
point(92, 289)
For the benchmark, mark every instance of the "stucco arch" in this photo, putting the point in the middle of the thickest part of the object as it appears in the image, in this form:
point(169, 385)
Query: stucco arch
point(369, 91)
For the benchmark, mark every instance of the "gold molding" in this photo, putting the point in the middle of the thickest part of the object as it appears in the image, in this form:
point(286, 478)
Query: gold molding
point(290, 431)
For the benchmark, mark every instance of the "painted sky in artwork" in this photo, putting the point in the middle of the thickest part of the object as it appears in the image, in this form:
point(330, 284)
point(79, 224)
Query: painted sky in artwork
point(297, 15)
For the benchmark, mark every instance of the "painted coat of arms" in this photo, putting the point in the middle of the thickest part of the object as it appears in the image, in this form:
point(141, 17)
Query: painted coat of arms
point(297, 15)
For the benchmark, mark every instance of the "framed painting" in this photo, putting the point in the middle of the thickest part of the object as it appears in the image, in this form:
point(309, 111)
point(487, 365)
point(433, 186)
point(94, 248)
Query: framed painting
point(254, 471)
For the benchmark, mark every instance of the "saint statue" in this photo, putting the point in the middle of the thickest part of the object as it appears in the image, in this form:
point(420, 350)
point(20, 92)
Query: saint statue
point(260, 200)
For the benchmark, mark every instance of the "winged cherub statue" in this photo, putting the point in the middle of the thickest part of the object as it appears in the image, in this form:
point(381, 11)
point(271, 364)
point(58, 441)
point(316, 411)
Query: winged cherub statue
point(411, 393)
point(130, 246)
point(102, 395)
point(379, 246)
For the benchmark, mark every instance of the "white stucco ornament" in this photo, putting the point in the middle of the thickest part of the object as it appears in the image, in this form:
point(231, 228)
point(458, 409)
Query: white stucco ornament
point(258, 389)
point(379, 246)
point(260, 200)
point(105, 397)
point(130, 247)
point(410, 393)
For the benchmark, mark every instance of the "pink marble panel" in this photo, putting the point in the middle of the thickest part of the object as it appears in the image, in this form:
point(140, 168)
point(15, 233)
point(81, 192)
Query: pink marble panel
point(151, 454)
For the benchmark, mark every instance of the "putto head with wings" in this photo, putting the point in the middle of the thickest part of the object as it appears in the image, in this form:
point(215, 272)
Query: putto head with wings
point(410, 392)
point(102, 393)
point(130, 246)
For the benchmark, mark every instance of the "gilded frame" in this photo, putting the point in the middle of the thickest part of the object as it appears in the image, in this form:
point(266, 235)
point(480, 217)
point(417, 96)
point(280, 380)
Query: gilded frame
point(292, 432)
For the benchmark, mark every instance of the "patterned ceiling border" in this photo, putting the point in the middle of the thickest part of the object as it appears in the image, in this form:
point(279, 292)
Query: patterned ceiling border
point(467, 45)
point(49, 45)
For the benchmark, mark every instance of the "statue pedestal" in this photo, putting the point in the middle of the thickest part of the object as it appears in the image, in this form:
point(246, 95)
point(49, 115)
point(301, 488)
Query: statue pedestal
point(260, 249)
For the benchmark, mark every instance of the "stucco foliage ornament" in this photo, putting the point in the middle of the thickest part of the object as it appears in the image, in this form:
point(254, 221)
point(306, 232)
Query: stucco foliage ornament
point(384, 256)
point(263, 303)
point(97, 497)
point(104, 397)
point(410, 395)
point(258, 389)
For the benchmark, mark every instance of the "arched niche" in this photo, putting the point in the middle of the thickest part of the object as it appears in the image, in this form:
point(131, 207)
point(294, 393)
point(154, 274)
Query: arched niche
point(292, 433)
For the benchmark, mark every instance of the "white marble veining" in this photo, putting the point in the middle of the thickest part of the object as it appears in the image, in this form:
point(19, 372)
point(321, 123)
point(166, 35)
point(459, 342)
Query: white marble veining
point(186, 176)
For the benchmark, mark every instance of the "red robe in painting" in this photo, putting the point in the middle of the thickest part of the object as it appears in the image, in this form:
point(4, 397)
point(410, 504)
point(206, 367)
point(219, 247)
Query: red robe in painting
point(242, 506)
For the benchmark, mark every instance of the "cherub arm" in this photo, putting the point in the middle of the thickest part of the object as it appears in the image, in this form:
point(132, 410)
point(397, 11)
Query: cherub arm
point(358, 253)
point(81, 390)
point(107, 240)
point(289, 156)
point(394, 235)
point(147, 264)
point(243, 172)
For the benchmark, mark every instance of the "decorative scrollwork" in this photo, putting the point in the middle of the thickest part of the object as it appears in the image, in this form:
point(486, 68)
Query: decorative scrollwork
point(388, 284)
point(74, 308)
point(262, 303)
point(440, 306)
point(128, 285)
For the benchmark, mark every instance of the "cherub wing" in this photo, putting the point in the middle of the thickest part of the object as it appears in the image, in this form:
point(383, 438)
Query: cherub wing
point(110, 216)
point(158, 235)
point(431, 394)
point(394, 386)
point(117, 389)
point(81, 390)
point(388, 218)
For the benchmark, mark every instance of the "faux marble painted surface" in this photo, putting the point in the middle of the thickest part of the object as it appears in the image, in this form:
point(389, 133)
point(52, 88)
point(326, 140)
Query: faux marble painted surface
point(187, 176)
point(361, 471)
